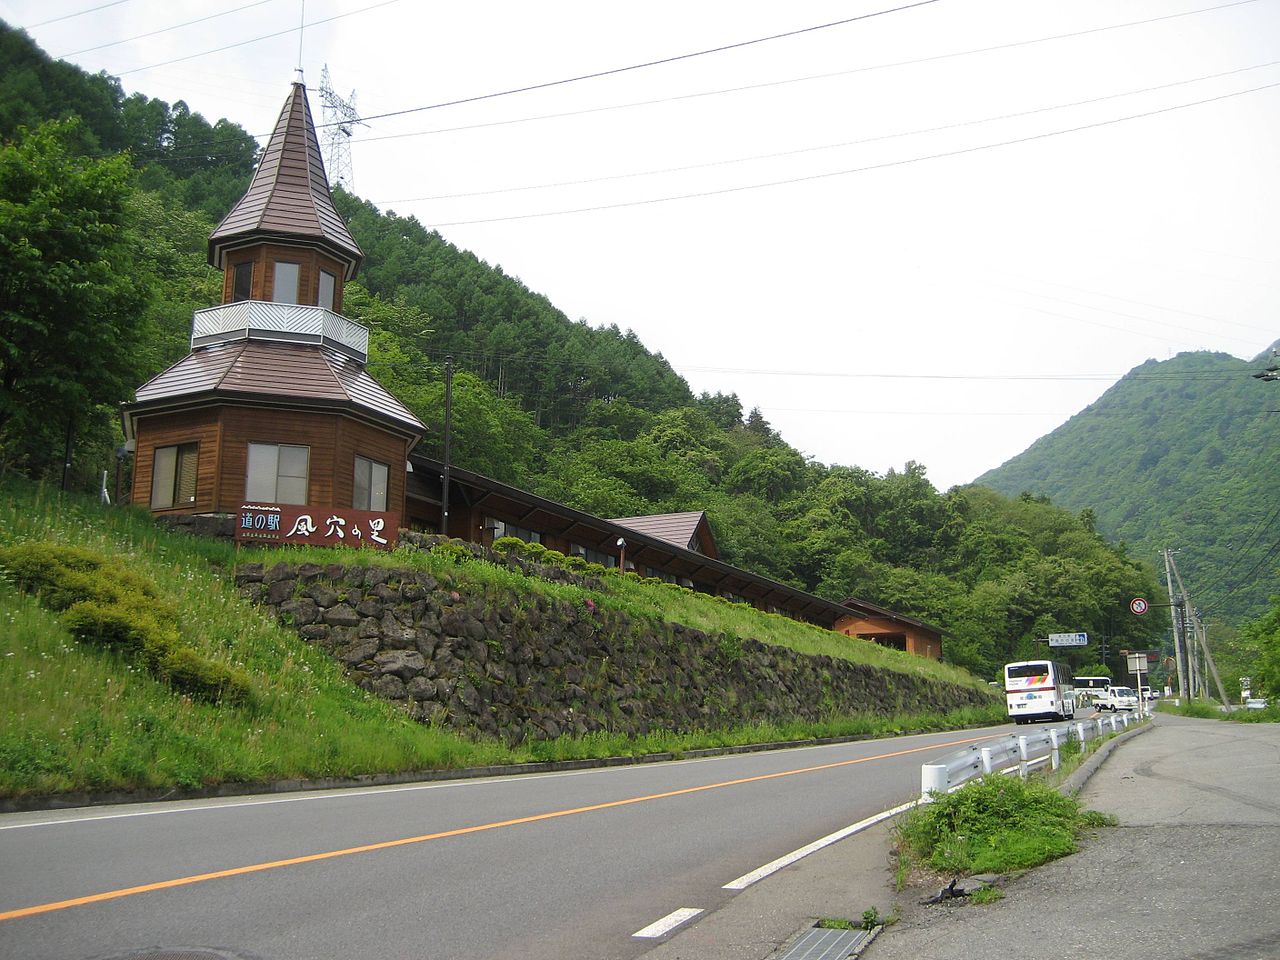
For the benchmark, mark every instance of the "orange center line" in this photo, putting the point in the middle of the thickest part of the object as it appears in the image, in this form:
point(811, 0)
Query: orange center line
point(458, 832)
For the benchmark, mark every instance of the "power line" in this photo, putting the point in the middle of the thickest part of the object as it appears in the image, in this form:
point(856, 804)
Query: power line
point(1246, 581)
point(829, 146)
point(864, 169)
point(778, 83)
point(614, 71)
point(176, 26)
point(1241, 550)
point(749, 87)
point(268, 36)
point(542, 358)
point(72, 16)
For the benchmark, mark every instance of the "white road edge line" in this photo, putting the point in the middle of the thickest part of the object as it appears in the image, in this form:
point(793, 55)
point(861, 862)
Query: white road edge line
point(660, 928)
point(747, 879)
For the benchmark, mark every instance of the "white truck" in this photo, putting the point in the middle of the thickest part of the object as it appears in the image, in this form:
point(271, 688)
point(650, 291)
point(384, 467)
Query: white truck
point(1117, 698)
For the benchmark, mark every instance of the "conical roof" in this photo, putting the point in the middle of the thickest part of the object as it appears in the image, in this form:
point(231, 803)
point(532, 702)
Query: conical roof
point(289, 199)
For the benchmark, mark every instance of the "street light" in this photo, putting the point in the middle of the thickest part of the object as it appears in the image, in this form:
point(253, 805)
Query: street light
point(622, 555)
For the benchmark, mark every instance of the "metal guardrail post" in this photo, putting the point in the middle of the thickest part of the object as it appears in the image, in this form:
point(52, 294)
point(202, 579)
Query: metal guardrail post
point(1101, 729)
point(1080, 731)
point(1024, 755)
point(1055, 759)
point(987, 763)
point(934, 777)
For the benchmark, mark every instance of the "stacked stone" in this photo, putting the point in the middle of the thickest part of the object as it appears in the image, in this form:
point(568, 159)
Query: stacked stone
point(528, 666)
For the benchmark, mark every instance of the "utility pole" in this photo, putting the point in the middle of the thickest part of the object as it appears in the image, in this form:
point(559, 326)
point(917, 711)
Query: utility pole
point(1175, 613)
point(1199, 636)
point(448, 436)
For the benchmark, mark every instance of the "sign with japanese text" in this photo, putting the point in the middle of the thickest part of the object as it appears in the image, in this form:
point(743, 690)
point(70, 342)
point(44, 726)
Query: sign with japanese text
point(1068, 639)
point(315, 526)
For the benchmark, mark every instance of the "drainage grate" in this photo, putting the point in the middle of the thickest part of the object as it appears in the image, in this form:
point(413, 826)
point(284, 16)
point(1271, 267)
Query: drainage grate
point(820, 944)
point(178, 953)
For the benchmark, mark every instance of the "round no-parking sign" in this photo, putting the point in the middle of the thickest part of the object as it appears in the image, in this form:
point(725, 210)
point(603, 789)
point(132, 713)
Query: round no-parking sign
point(1139, 605)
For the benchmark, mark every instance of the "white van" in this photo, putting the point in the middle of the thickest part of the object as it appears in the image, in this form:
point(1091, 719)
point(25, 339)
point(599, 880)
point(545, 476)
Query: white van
point(1118, 698)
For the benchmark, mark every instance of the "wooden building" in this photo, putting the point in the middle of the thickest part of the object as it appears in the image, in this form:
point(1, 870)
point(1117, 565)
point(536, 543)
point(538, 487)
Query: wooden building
point(272, 409)
point(870, 622)
point(273, 403)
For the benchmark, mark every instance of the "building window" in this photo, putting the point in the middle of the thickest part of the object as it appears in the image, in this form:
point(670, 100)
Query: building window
point(284, 284)
point(277, 473)
point(242, 282)
point(173, 476)
point(593, 556)
point(328, 283)
point(371, 485)
point(501, 528)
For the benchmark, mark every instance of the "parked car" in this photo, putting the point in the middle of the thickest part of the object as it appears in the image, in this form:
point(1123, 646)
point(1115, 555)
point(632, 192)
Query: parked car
point(1117, 698)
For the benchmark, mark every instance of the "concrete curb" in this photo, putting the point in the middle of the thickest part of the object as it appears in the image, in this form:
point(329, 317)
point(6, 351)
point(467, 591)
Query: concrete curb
point(1073, 784)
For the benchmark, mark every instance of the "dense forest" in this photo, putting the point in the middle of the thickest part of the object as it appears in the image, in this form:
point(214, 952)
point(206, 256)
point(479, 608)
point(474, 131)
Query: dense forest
point(1183, 454)
point(578, 413)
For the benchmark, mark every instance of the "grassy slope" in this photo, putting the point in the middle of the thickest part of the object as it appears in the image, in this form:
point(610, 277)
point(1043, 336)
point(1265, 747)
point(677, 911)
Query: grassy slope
point(73, 718)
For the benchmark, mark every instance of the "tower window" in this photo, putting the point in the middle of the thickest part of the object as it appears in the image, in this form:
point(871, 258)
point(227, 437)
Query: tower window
point(242, 281)
point(328, 283)
point(284, 285)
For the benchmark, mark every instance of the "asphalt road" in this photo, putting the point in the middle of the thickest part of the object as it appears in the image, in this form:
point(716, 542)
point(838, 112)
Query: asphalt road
point(549, 866)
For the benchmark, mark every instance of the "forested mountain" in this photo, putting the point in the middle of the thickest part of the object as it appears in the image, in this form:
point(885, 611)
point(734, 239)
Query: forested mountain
point(1184, 454)
point(581, 414)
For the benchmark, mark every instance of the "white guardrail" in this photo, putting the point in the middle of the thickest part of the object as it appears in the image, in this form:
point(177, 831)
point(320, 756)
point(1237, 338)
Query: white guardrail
point(1017, 752)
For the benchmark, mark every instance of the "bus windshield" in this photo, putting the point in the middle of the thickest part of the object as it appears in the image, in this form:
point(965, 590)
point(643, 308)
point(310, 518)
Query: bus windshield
point(1024, 671)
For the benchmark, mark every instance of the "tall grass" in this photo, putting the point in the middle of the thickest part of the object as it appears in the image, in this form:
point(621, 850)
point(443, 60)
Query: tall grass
point(73, 717)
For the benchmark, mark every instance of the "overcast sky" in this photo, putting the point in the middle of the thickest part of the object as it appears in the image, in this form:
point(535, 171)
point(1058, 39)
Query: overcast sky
point(932, 233)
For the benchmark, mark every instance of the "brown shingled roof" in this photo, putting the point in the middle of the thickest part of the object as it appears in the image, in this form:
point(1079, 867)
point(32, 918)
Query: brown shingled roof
point(254, 370)
point(289, 197)
point(678, 529)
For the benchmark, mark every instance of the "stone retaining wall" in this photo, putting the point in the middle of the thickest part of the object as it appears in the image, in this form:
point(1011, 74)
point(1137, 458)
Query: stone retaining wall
point(528, 666)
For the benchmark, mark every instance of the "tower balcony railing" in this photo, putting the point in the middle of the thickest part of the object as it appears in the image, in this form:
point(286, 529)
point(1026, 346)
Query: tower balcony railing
point(282, 322)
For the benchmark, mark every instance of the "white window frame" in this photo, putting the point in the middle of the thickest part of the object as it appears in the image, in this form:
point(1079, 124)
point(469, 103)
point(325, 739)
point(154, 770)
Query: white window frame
point(327, 290)
point(264, 480)
point(286, 270)
point(372, 485)
point(169, 466)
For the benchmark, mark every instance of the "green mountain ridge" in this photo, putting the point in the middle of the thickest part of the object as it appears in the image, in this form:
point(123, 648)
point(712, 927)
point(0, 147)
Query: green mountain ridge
point(1178, 454)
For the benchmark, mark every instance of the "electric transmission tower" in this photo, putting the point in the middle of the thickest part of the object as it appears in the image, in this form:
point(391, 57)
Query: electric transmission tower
point(340, 118)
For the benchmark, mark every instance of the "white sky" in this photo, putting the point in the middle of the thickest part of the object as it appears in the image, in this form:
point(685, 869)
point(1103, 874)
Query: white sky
point(947, 310)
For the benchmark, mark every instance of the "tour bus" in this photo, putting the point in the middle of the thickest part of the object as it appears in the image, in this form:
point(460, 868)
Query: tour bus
point(1090, 688)
point(1039, 690)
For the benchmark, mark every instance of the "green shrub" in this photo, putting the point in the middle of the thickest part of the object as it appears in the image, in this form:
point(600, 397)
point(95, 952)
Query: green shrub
point(103, 603)
point(507, 545)
point(576, 564)
point(552, 556)
point(994, 825)
point(203, 679)
point(531, 551)
point(451, 550)
point(595, 570)
point(110, 625)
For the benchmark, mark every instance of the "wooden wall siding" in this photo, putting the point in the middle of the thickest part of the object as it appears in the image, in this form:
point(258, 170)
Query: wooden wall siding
point(334, 439)
point(243, 425)
point(360, 439)
point(165, 430)
point(920, 642)
point(264, 256)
